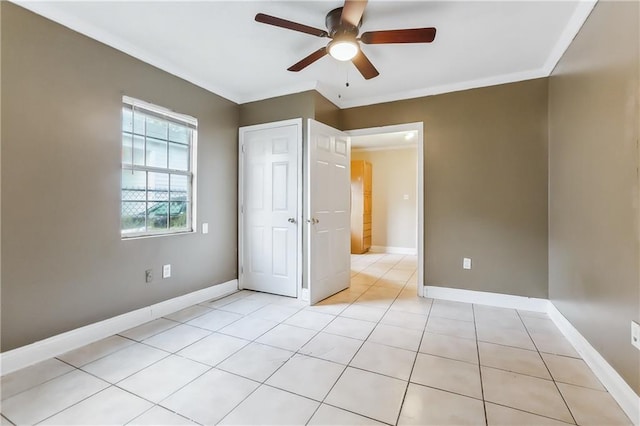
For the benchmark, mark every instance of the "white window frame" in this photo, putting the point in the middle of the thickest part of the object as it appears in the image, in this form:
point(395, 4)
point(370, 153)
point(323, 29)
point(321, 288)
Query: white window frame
point(191, 173)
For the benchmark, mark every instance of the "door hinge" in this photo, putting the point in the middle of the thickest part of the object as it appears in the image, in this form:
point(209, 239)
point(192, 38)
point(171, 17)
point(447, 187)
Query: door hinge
point(242, 148)
point(241, 208)
point(241, 270)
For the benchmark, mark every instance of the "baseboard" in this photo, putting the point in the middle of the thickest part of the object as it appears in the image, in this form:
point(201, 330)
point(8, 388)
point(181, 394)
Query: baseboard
point(486, 298)
point(25, 356)
point(392, 250)
point(628, 400)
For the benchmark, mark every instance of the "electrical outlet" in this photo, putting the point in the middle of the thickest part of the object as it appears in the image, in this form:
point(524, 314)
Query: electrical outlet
point(148, 275)
point(166, 271)
point(635, 334)
point(466, 263)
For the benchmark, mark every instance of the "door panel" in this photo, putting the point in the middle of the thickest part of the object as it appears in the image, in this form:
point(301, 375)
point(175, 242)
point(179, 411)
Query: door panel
point(328, 243)
point(270, 208)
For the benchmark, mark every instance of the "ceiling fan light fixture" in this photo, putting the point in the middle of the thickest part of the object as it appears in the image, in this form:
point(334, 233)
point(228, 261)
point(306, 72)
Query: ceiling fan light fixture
point(343, 49)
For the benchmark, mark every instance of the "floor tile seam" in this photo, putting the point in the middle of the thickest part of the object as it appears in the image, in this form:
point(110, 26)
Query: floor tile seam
point(449, 358)
point(297, 326)
point(209, 368)
point(508, 346)
point(455, 319)
point(245, 314)
point(450, 391)
point(413, 366)
point(548, 379)
point(74, 404)
point(558, 354)
point(183, 347)
point(551, 375)
point(42, 383)
point(259, 384)
point(135, 372)
point(133, 342)
point(177, 353)
point(551, 378)
point(361, 319)
point(238, 337)
point(378, 373)
point(354, 355)
point(352, 412)
point(192, 318)
point(233, 373)
point(163, 408)
point(484, 403)
point(319, 401)
point(396, 347)
point(151, 335)
point(213, 310)
point(295, 351)
point(10, 422)
point(529, 412)
point(498, 325)
point(449, 334)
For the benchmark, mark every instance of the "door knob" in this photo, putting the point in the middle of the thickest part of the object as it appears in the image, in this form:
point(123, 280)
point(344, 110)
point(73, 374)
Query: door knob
point(291, 220)
point(313, 221)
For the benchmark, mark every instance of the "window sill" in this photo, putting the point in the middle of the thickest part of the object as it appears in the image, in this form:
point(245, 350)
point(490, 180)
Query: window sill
point(145, 236)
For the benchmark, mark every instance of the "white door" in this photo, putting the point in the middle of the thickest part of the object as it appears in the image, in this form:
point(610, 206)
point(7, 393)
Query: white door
point(269, 207)
point(328, 211)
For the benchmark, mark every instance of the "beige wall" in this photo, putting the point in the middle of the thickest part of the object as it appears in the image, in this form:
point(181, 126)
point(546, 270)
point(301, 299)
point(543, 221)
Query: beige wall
point(394, 174)
point(64, 264)
point(326, 112)
point(593, 230)
point(281, 108)
point(485, 183)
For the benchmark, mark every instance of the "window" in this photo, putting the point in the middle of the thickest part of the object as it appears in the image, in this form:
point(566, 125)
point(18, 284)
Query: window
point(158, 158)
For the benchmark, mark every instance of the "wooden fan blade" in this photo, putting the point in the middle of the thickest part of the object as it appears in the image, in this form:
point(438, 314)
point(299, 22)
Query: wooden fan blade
point(308, 60)
point(365, 66)
point(352, 12)
point(290, 25)
point(414, 35)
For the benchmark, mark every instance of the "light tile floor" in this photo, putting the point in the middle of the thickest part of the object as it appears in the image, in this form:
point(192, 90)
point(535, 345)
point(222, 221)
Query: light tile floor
point(372, 354)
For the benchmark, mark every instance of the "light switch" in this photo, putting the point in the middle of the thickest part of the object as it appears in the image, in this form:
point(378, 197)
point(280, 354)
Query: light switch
point(466, 263)
point(205, 228)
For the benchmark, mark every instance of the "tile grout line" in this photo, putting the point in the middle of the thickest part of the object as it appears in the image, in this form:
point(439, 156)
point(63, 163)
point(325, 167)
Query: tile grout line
point(415, 359)
point(109, 384)
point(547, 367)
point(475, 328)
point(360, 348)
point(116, 384)
point(262, 383)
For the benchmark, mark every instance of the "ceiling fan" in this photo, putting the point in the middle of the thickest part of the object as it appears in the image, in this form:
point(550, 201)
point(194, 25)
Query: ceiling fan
point(343, 25)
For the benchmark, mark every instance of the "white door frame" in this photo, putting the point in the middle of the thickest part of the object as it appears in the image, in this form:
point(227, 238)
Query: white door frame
point(419, 127)
point(241, 132)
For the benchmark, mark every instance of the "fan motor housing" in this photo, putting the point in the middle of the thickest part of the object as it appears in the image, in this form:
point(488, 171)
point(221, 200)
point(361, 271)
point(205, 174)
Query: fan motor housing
point(336, 28)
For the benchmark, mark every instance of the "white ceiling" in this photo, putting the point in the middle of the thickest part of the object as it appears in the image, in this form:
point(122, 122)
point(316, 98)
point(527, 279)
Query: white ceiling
point(218, 45)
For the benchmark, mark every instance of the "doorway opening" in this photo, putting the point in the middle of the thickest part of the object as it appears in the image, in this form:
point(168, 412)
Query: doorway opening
point(394, 159)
